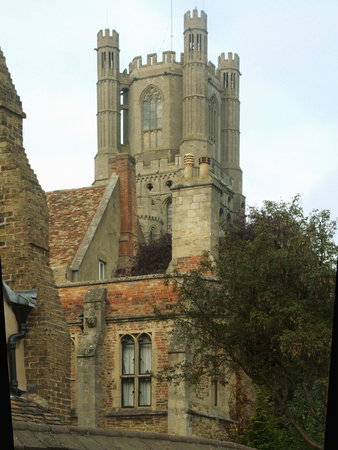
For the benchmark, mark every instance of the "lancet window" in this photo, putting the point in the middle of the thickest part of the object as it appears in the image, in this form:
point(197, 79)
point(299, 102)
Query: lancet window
point(136, 368)
point(152, 110)
point(152, 119)
point(212, 119)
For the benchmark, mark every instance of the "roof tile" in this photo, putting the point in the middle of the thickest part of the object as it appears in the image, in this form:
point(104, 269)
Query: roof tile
point(71, 212)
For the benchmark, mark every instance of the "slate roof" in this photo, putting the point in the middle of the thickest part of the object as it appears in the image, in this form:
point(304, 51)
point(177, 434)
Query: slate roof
point(29, 411)
point(32, 436)
point(70, 214)
point(36, 427)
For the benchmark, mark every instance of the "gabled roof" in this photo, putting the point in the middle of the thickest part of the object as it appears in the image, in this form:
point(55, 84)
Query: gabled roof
point(70, 214)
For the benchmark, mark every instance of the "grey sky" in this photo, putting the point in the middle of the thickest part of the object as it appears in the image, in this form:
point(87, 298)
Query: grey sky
point(289, 93)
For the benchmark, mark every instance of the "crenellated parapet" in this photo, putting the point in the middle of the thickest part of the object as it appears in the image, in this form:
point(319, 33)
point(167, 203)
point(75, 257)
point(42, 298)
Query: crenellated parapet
point(108, 39)
point(194, 20)
point(231, 62)
point(168, 58)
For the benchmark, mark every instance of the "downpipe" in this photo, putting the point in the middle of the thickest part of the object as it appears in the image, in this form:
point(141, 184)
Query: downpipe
point(11, 347)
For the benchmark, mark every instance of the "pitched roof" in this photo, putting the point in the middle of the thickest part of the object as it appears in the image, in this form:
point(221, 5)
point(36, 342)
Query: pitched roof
point(68, 437)
point(29, 411)
point(70, 214)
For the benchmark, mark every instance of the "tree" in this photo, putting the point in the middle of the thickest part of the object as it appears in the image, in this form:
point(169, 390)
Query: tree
point(152, 257)
point(265, 306)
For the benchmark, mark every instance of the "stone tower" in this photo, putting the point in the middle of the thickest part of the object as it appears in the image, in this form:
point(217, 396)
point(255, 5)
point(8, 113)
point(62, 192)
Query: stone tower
point(108, 102)
point(195, 99)
point(169, 115)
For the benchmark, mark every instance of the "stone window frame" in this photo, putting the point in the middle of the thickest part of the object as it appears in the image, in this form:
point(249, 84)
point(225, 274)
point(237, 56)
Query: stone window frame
point(102, 269)
point(151, 101)
point(152, 109)
point(213, 119)
point(168, 215)
point(134, 376)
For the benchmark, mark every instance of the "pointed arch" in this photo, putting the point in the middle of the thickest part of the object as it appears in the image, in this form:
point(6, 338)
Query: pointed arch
point(152, 101)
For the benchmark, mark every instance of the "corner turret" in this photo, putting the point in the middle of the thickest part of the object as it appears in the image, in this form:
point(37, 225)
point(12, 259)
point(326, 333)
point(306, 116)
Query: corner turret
point(195, 37)
point(108, 102)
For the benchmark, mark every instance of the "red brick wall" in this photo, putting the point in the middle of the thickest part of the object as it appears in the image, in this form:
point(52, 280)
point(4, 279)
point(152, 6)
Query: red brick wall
point(124, 166)
point(130, 305)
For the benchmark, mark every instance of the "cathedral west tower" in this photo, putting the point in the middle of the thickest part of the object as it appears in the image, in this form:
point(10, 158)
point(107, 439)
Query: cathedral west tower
point(160, 111)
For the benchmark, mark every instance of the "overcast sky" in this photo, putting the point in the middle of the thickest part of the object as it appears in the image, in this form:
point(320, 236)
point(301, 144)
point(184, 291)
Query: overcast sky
point(289, 91)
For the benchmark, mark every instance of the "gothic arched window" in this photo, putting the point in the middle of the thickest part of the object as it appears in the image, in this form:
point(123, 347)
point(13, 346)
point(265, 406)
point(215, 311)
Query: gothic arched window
point(136, 369)
point(152, 118)
point(152, 110)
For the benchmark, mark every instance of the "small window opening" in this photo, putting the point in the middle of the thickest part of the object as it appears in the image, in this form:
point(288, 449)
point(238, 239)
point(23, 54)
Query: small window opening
point(232, 81)
point(199, 42)
point(103, 60)
point(191, 42)
point(102, 270)
point(150, 186)
point(225, 79)
point(215, 392)
point(111, 60)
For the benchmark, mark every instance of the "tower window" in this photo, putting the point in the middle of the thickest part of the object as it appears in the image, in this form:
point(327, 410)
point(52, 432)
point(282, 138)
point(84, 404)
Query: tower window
point(191, 42)
point(111, 60)
point(136, 368)
point(103, 60)
point(212, 119)
point(152, 110)
point(232, 81)
point(199, 42)
point(225, 79)
point(152, 119)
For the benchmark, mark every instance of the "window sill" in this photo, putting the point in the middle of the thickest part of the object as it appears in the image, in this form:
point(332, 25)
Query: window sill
point(127, 412)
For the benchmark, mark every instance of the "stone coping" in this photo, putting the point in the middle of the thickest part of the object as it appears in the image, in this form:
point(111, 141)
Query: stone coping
point(40, 436)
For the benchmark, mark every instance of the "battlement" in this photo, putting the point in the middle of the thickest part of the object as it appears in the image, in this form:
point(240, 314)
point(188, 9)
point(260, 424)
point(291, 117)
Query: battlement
point(168, 57)
point(232, 62)
point(195, 21)
point(107, 39)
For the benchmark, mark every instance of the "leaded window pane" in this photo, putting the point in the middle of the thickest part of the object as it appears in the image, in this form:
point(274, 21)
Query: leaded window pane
point(127, 393)
point(159, 113)
point(128, 356)
point(145, 354)
point(145, 392)
point(145, 115)
point(152, 122)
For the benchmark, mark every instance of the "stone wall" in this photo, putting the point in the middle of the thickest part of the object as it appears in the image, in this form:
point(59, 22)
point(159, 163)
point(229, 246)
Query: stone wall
point(25, 255)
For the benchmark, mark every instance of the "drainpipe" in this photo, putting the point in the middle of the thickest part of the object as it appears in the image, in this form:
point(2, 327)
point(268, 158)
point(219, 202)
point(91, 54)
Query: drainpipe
point(21, 303)
point(21, 317)
point(11, 347)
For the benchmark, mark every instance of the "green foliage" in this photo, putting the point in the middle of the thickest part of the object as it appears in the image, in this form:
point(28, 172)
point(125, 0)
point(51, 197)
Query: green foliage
point(265, 306)
point(264, 432)
point(152, 257)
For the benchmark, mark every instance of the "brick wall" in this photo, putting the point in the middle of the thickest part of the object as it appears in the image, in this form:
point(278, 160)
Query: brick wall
point(124, 166)
point(24, 253)
point(129, 311)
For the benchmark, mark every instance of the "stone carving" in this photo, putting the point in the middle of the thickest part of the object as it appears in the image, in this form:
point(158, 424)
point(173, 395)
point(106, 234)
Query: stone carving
point(91, 319)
